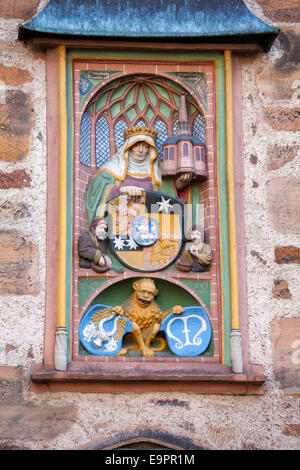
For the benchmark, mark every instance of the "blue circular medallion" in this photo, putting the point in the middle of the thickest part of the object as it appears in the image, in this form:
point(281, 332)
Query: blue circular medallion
point(145, 231)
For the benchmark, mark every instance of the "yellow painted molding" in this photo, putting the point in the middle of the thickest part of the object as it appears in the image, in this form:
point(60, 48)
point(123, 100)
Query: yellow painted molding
point(62, 228)
point(219, 204)
point(233, 264)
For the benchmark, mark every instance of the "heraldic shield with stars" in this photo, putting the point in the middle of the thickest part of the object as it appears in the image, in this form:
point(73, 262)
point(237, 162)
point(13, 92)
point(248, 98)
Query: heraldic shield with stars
point(146, 233)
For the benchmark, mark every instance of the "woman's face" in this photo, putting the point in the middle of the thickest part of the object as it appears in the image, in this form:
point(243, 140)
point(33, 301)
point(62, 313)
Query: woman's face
point(140, 150)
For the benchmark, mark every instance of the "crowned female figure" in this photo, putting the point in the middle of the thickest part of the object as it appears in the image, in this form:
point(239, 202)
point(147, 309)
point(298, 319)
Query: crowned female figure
point(133, 168)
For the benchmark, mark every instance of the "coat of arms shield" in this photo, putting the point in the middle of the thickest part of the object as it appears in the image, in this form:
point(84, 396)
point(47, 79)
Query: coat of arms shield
point(189, 334)
point(101, 331)
point(146, 232)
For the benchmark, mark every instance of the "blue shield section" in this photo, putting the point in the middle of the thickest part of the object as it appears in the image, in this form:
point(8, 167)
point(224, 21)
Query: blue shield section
point(84, 85)
point(145, 231)
point(188, 334)
point(101, 331)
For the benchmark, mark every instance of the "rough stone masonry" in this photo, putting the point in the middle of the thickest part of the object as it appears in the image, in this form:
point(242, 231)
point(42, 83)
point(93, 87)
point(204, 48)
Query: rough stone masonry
point(271, 194)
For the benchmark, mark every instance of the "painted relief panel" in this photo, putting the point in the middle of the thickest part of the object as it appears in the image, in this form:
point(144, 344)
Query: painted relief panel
point(146, 271)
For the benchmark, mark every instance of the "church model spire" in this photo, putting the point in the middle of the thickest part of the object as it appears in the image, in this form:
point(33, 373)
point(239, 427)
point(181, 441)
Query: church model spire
point(183, 127)
point(184, 153)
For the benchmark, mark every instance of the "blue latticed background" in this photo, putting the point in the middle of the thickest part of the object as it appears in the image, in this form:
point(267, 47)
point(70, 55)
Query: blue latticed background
point(162, 130)
point(85, 140)
point(198, 129)
point(102, 142)
point(120, 127)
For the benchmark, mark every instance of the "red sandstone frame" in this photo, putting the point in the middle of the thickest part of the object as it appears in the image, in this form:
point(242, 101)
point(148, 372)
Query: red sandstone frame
point(120, 374)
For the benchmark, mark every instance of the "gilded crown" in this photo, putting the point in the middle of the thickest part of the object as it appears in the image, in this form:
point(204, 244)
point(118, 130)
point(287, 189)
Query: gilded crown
point(132, 131)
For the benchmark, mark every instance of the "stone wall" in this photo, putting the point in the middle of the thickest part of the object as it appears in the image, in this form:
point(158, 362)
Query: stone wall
point(64, 420)
point(272, 196)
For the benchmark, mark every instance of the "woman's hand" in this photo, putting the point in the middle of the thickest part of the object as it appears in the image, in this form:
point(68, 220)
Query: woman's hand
point(132, 190)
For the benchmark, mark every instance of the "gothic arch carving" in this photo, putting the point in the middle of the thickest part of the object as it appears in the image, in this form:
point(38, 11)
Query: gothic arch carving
point(135, 100)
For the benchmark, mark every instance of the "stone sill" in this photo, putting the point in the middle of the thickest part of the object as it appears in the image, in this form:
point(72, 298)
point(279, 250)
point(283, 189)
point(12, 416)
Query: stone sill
point(140, 377)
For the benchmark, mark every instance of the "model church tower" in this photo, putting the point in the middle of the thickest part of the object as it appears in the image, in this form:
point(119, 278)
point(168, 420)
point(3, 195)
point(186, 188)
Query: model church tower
point(184, 153)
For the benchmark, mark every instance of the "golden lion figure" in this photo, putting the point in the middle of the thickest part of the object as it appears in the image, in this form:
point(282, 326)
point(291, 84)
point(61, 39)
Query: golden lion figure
point(145, 315)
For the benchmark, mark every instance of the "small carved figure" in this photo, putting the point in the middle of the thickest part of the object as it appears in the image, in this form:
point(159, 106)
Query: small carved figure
point(145, 315)
point(92, 248)
point(196, 255)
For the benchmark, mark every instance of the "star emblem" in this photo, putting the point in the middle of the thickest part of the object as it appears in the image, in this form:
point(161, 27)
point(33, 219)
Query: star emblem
point(164, 205)
point(131, 244)
point(119, 243)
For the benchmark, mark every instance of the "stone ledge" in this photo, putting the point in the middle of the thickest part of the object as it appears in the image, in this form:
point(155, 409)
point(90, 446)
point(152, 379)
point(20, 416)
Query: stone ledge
point(140, 377)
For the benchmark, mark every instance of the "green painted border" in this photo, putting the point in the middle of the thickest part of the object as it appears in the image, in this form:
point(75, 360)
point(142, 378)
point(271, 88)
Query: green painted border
point(223, 213)
point(196, 286)
point(69, 249)
point(223, 209)
point(94, 81)
point(89, 286)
